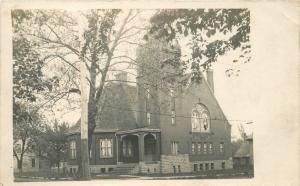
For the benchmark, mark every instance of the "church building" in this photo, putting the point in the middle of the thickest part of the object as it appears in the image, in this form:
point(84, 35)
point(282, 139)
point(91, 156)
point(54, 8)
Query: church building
point(143, 130)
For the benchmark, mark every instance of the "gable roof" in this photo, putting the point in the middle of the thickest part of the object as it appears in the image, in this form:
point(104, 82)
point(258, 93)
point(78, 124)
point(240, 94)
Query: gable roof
point(120, 101)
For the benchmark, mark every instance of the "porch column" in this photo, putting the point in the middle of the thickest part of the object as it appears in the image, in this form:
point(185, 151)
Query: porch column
point(141, 147)
point(157, 147)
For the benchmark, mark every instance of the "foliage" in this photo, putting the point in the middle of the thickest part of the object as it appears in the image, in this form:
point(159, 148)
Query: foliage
point(236, 145)
point(28, 78)
point(27, 127)
point(211, 33)
point(52, 144)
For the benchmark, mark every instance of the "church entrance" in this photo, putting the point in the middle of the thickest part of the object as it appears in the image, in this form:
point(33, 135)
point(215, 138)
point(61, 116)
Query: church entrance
point(150, 147)
point(130, 149)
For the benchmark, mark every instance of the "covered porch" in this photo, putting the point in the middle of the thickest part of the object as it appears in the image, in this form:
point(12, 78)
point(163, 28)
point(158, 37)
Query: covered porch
point(138, 145)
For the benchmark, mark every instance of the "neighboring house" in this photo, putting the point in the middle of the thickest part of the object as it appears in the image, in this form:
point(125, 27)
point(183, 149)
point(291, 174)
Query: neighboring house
point(31, 161)
point(134, 135)
point(243, 158)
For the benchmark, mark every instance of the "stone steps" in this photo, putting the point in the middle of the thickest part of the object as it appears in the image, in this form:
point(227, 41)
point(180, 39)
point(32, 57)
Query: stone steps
point(124, 168)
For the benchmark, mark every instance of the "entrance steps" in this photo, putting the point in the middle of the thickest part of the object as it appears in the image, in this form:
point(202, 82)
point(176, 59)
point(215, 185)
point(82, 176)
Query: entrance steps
point(125, 168)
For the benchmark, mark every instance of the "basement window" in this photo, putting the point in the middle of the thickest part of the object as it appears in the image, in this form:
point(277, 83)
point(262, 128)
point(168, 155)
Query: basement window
point(195, 167)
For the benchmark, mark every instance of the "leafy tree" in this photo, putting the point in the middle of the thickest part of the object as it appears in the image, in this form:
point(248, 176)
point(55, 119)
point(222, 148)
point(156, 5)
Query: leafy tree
point(64, 42)
point(27, 127)
point(52, 145)
point(210, 33)
point(28, 81)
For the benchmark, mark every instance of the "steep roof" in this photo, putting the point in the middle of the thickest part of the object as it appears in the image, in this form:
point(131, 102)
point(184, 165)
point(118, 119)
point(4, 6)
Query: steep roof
point(119, 112)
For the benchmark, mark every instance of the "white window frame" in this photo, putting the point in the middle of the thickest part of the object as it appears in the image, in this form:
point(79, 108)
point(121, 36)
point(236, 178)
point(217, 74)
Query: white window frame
point(199, 148)
point(174, 148)
point(210, 148)
point(222, 147)
point(73, 149)
point(194, 147)
point(106, 147)
point(148, 115)
point(205, 148)
point(173, 115)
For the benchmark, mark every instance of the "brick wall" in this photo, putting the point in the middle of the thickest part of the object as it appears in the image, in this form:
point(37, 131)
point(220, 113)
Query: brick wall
point(175, 163)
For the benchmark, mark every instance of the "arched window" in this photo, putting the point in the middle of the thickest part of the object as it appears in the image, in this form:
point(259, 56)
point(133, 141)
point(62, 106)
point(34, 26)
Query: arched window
point(200, 119)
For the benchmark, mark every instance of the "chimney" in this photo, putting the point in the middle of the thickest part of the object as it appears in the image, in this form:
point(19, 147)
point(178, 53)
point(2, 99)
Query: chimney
point(122, 76)
point(210, 78)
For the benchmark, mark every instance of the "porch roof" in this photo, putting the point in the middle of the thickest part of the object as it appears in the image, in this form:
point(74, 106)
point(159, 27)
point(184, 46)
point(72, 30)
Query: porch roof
point(144, 129)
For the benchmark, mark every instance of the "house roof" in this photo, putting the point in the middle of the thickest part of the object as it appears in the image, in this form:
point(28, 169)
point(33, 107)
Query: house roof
point(119, 112)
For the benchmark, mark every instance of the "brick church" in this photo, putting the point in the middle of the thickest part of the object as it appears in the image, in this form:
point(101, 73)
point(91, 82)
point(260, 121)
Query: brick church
point(134, 136)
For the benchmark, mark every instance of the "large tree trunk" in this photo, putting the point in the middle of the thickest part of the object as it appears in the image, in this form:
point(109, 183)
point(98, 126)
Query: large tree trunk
point(20, 164)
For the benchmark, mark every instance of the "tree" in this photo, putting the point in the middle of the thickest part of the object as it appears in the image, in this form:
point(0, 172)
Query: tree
point(28, 81)
point(52, 145)
point(27, 127)
point(62, 40)
point(210, 33)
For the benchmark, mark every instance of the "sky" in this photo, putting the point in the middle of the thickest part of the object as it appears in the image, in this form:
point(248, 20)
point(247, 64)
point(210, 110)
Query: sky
point(232, 93)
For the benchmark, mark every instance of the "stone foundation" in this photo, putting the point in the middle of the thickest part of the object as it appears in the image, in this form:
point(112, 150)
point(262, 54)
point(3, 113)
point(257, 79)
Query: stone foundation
point(146, 168)
point(102, 168)
point(175, 163)
point(211, 165)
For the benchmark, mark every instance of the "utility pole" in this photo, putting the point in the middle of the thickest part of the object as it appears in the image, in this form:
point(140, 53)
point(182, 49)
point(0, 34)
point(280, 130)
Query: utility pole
point(85, 172)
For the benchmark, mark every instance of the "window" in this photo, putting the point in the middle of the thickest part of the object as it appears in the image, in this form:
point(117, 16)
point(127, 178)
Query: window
point(221, 147)
point(102, 170)
point(148, 94)
point(174, 148)
point(212, 166)
point(195, 167)
point(201, 167)
point(106, 148)
point(199, 148)
point(148, 105)
point(179, 170)
point(200, 119)
point(148, 118)
point(193, 147)
point(210, 148)
point(206, 166)
point(73, 149)
point(32, 162)
point(205, 148)
point(173, 117)
point(223, 165)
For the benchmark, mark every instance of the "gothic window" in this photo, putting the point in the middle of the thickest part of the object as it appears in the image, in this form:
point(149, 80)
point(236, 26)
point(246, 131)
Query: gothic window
point(106, 148)
point(200, 119)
